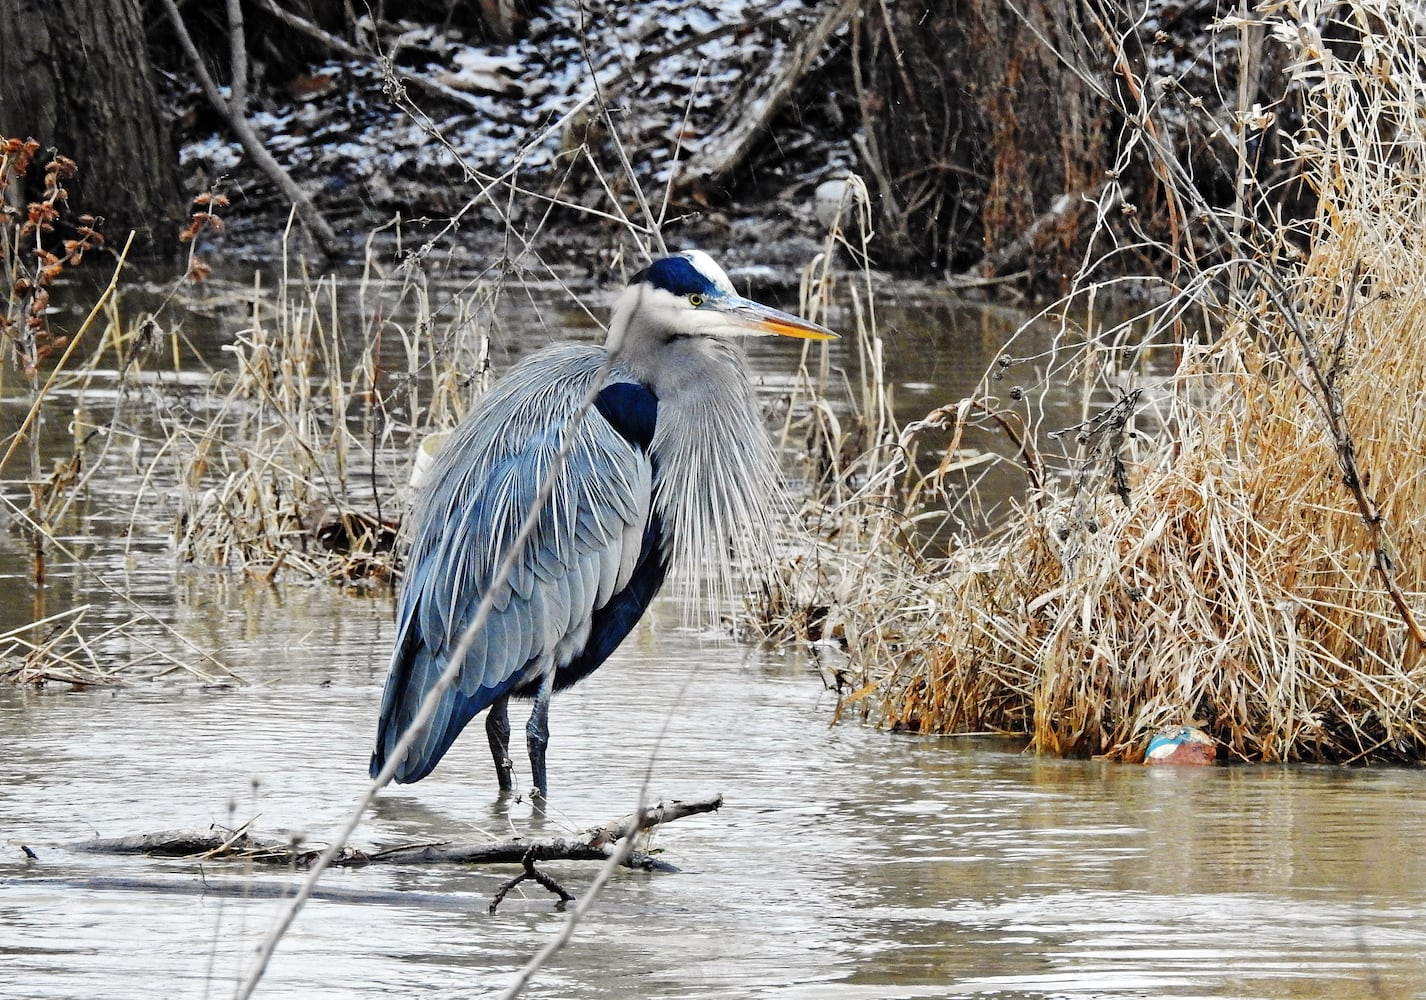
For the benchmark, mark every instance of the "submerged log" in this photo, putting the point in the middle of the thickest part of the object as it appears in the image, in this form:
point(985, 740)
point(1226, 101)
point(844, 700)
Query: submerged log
point(597, 843)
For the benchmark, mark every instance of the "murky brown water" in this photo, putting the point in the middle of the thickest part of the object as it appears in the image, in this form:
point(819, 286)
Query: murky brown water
point(846, 862)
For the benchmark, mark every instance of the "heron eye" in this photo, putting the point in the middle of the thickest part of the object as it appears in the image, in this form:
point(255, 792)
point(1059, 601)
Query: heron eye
point(695, 300)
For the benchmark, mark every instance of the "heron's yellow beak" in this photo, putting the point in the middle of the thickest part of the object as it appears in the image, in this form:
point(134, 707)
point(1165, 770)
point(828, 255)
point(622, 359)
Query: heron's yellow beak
point(757, 318)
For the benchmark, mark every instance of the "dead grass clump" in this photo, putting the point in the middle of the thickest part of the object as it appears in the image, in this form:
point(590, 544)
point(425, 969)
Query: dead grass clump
point(299, 459)
point(265, 483)
point(64, 649)
point(1254, 563)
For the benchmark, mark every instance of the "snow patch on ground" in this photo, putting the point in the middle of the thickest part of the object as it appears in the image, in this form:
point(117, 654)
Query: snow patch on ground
point(665, 89)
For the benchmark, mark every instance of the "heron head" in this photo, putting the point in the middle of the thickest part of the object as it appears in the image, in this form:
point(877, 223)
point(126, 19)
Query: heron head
point(688, 295)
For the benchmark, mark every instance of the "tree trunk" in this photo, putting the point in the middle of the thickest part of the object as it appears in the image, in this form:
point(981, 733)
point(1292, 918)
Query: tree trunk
point(976, 132)
point(76, 76)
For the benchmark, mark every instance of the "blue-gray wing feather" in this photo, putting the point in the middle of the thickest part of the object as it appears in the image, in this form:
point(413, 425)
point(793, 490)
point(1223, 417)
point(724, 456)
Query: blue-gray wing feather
point(594, 535)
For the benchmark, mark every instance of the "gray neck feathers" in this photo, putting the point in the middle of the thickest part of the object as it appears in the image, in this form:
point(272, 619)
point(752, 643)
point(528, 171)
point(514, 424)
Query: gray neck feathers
point(717, 487)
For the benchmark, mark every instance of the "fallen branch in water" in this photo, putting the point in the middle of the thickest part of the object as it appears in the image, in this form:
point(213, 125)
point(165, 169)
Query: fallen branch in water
point(597, 843)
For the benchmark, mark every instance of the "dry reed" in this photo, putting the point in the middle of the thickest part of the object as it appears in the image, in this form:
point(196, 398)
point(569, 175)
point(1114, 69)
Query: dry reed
point(1253, 563)
point(298, 462)
point(63, 649)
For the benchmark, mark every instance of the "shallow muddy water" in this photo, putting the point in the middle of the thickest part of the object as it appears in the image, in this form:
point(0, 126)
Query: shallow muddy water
point(845, 862)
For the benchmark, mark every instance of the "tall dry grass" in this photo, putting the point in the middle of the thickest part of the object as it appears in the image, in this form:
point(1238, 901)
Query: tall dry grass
point(293, 459)
point(299, 460)
point(1236, 542)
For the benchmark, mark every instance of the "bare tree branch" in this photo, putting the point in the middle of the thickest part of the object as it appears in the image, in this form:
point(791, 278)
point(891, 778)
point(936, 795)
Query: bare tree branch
point(232, 109)
point(342, 47)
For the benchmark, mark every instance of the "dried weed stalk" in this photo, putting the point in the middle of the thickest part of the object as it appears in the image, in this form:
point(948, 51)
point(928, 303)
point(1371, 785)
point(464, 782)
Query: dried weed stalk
point(39, 244)
point(1252, 559)
point(298, 461)
point(63, 649)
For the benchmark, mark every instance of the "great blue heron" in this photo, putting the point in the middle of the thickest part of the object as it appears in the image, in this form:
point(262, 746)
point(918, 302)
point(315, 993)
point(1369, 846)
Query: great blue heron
point(671, 467)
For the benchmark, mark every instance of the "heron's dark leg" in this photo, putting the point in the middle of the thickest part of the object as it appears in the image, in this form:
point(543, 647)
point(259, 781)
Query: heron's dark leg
point(537, 730)
point(497, 731)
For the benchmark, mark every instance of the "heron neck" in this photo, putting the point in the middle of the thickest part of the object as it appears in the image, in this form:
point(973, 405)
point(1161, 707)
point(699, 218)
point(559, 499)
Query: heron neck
point(716, 487)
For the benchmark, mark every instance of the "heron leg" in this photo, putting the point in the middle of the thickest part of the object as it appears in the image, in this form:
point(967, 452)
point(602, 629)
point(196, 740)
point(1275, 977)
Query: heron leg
point(497, 731)
point(537, 731)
